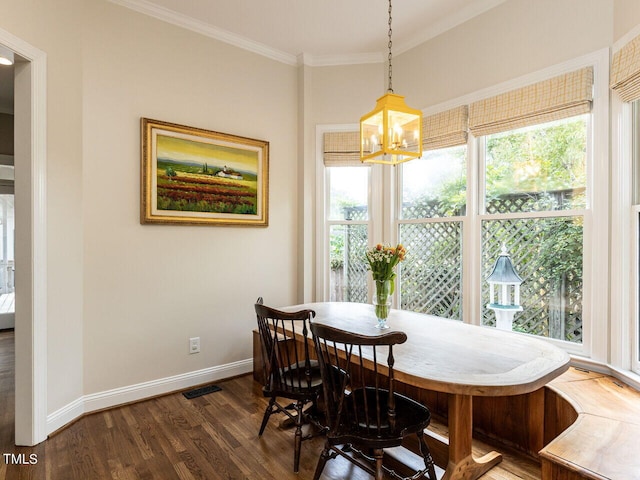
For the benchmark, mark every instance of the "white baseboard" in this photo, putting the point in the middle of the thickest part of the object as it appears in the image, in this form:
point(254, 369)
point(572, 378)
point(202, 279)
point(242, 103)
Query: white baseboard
point(118, 396)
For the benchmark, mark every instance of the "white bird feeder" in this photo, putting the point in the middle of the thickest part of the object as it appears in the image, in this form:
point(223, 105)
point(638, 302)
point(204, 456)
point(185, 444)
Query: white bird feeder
point(507, 281)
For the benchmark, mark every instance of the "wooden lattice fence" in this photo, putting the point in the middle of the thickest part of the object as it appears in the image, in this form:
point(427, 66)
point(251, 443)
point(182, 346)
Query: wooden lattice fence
point(546, 251)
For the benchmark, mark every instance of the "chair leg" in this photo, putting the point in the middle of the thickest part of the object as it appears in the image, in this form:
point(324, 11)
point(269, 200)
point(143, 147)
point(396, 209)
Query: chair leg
point(267, 414)
point(322, 461)
point(298, 437)
point(426, 454)
point(378, 453)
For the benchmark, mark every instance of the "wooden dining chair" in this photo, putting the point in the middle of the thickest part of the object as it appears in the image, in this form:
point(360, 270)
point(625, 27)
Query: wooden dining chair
point(363, 412)
point(289, 371)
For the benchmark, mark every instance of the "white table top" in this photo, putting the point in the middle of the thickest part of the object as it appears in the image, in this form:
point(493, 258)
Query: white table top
point(451, 356)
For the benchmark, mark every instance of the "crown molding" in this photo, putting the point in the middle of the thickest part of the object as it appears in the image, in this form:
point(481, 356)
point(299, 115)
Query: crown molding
point(333, 60)
point(166, 15)
point(184, 21)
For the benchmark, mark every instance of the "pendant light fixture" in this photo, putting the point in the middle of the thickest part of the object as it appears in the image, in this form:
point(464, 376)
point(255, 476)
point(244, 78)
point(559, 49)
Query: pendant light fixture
point(392, 132)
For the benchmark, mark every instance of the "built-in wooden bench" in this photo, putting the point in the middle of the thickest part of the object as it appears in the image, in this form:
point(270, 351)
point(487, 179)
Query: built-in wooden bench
point(593, 421)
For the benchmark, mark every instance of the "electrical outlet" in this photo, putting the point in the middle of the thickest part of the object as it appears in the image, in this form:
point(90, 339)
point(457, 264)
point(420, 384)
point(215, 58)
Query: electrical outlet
point(194, 345)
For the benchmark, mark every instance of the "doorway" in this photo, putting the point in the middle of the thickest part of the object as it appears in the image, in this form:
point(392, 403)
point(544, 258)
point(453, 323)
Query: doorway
point(29, 81)
point(7, 286)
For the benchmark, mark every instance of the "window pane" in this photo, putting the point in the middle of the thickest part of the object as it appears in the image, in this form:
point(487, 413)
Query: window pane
point(547, 254)
point(435, 185)
point(348, 273)
point(431, 274)
point(537, 168)
point(348, 193)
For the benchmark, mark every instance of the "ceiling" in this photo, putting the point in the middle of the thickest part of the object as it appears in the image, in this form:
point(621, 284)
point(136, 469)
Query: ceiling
point(322, 31)
point(314, 32)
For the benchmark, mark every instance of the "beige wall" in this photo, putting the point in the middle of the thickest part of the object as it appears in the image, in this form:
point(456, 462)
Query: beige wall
point(123, 298)
point(148, 288)
point(342, 94)
point(626, 16)
point(511, 40)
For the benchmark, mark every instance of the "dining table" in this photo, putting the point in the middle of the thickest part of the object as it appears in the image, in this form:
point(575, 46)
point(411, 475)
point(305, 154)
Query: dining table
point(456, 358)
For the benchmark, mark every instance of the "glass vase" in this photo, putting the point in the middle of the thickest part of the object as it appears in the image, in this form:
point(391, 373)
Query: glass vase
point(382, 301)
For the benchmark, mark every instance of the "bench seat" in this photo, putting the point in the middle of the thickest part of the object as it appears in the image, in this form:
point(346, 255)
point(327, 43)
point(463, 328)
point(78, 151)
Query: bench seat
point(604, 440)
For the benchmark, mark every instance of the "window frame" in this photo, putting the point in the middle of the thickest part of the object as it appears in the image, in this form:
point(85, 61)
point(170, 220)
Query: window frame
point(634, 319)
point(625, 251)
point(330, 223)
point(398, 221)
point(585, 213)
point(323, 224)
point(633, 113)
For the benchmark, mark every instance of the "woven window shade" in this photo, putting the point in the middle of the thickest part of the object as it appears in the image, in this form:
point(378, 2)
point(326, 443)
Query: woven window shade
point(342, 149)
point(554, 99)
point(445, 129)
point(625, 71)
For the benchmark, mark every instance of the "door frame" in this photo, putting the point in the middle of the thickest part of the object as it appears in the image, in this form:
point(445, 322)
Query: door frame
point(30, 121)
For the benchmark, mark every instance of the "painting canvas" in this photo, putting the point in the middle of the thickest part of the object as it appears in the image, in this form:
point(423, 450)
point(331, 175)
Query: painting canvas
point(195, 176)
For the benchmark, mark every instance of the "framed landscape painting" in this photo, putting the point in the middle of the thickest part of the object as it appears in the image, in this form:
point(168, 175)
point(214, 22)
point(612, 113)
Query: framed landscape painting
point(199, 177)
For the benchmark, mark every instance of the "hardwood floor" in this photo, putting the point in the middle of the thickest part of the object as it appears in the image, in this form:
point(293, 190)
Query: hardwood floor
point(208, 438)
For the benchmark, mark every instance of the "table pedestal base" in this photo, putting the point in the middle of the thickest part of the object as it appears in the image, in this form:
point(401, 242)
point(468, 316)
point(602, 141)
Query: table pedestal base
point(470, 468)
point(462, 465)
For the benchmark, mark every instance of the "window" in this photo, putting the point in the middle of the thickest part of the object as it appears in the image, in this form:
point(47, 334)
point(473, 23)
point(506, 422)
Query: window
point(433, 196)
point(533, 201)
point(347, 226)
point(625, 205)
point(534, 205)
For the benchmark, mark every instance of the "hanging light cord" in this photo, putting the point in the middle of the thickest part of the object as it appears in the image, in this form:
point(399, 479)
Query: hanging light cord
point(390, 89)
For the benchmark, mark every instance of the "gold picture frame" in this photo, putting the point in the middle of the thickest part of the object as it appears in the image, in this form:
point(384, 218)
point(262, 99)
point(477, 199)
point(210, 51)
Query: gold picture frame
point(192, 176)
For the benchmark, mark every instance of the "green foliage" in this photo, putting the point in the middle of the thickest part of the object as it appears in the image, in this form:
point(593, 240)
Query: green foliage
point(453, 197)
point(561, 250)
point(448, 198)
point(336, 251)
point(170, 172)
point(539, 160)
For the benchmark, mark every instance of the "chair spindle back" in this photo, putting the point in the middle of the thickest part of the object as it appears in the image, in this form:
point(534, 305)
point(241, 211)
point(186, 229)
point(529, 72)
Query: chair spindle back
point(287, 364)
point(358, 379)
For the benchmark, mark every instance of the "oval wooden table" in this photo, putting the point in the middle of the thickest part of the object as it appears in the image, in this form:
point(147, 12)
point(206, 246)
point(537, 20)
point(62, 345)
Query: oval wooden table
point(456, 358)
